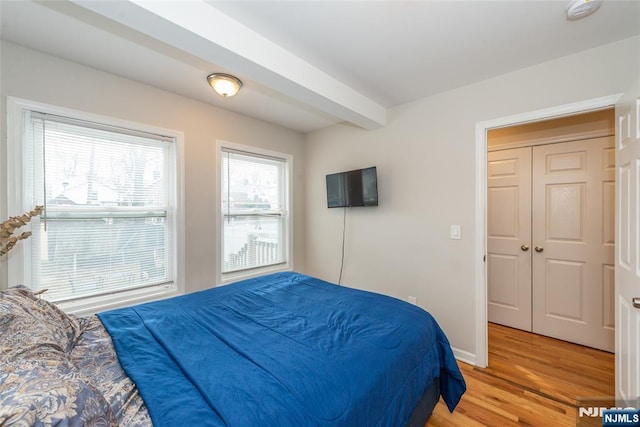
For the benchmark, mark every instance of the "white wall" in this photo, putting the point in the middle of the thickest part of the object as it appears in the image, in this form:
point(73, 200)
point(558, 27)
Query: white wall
point(425, 160)
point(426, 178)
point(38, 77)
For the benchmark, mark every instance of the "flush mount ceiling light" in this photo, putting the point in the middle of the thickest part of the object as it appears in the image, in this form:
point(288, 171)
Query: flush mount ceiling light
point(577, 9)
point(225, 85)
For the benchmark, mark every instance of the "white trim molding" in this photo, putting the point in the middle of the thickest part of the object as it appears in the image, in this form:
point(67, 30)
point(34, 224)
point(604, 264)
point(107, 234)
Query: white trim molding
point(18, 271)
point(464, 356)
point(226, 278)
point(482, 349)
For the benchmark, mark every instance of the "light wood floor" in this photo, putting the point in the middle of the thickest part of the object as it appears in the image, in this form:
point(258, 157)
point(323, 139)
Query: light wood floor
point(531, 380)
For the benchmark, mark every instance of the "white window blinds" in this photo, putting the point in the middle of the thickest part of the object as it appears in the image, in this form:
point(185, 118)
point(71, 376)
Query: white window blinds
point(253, 209)
point(107, 225)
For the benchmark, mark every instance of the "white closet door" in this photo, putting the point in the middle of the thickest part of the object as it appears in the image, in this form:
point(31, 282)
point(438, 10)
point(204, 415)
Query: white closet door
point(573, 241)
point(509, 234)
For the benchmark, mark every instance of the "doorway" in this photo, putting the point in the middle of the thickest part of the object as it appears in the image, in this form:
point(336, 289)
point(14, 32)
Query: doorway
point(550, 227)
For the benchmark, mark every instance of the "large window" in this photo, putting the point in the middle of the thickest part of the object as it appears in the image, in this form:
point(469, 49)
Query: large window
point(109, 225)
point(254, 210)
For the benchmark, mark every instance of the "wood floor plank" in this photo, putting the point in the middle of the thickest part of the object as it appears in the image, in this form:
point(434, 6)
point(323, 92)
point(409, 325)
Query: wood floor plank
point(531, 380)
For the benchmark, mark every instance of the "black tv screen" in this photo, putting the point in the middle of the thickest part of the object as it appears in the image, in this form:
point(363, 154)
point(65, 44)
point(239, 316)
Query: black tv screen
point(353, 188)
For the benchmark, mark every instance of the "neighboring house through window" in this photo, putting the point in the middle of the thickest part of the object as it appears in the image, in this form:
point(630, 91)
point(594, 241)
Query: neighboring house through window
point(109, 230)
point(254, 207)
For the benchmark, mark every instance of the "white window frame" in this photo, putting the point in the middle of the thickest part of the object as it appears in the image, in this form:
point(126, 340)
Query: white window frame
point(19, 263)
point(287, 265)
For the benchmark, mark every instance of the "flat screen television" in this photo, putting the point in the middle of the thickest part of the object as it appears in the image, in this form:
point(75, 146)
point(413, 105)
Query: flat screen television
point(353, 188)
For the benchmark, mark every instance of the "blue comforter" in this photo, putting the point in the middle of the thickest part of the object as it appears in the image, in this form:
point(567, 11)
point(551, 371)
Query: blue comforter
point(283, 350)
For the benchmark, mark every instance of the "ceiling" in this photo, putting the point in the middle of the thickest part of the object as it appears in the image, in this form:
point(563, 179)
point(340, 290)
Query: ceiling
point(310, 64)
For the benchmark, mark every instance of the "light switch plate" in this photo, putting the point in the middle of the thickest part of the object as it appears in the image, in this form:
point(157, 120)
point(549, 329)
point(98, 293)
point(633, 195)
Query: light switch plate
point(456, 232)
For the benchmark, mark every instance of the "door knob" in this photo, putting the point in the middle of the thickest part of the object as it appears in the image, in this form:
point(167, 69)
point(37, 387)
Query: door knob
point(524, 248)
point(636, 302)
point(539, 248)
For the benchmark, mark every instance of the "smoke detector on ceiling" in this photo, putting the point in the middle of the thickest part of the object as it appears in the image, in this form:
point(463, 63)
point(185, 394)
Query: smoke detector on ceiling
point(577, 9)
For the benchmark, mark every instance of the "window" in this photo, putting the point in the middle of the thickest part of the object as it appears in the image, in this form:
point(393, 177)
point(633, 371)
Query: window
point(254, 204)
point(110, 219)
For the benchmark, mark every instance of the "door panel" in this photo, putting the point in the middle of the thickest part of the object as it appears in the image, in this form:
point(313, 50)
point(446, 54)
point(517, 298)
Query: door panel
point(627, 259)
point(509, 227)
point(565, 215)
point(608, 296)
point(573, 243)
point(565, 290)
point(503, 275)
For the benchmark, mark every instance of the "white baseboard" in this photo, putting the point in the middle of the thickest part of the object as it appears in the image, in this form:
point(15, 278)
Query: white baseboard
point(464, 356)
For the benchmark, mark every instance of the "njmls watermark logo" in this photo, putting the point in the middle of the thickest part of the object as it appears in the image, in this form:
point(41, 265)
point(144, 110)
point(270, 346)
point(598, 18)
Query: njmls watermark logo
point(605, 411)
point(621, 417)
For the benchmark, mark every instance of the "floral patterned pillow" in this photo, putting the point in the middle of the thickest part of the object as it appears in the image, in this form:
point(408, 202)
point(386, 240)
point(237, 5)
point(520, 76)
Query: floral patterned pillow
point(39, 385)
point(35, 321)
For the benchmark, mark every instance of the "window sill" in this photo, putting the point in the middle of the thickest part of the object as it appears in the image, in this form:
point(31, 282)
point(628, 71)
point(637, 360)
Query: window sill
point(255, 272)
point(92, 305)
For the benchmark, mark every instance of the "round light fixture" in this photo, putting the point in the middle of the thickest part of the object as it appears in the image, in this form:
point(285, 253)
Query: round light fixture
point(225, 85)
point(577, 9)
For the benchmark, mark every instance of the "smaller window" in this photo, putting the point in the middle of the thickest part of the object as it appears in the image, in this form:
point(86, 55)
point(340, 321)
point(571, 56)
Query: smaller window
point(254, 210)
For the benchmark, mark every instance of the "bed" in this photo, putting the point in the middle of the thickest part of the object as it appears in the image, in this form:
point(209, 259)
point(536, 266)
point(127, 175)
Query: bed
point(284, 349)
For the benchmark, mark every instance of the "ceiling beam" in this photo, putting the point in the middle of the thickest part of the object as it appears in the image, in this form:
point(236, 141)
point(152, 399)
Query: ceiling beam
point(202, 30)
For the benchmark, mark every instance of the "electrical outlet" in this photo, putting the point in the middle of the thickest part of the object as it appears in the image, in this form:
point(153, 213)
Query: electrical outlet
point(412, 300)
